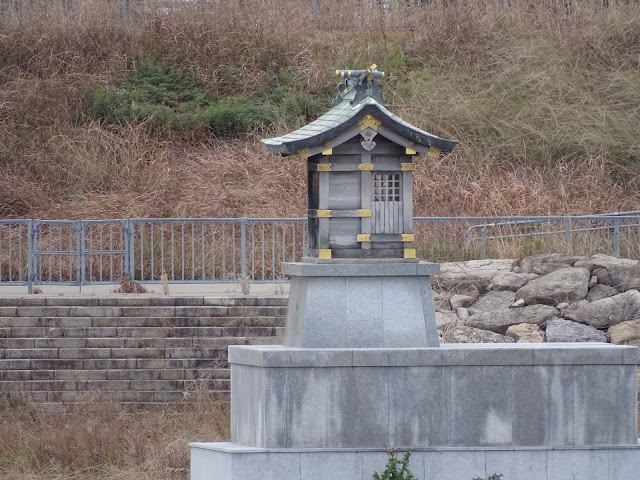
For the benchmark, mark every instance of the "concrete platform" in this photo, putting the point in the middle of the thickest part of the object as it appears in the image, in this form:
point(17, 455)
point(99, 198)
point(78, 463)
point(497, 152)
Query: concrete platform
point(227, 461)
point(463, 395)
point(527, 411)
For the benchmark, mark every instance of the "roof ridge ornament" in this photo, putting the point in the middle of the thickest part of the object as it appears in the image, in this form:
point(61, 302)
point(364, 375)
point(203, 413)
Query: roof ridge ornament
point(362, 82)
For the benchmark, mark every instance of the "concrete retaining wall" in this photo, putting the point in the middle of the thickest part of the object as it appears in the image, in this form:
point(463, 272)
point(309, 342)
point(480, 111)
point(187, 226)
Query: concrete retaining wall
point(137, 350)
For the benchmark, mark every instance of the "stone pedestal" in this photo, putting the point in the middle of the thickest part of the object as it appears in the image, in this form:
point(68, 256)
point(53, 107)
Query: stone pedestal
point(361, 305)
point(361, 372)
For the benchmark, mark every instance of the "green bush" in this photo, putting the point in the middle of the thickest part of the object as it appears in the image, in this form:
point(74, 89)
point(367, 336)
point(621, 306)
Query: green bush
point(164, 97)
point(396, 469)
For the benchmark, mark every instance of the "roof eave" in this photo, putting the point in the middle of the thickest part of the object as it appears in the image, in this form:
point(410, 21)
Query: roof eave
point(415, 135)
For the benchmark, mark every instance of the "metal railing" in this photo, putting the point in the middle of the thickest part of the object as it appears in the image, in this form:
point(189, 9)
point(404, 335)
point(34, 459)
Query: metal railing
point(209, 250)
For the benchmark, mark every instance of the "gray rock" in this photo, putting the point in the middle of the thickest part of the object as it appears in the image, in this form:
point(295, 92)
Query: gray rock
point(495, 300)
point(563, 285)
point(560, 330)
point(625, 332)
point(441, 300)
point(593, 281)
point(463, 314)
point(562, 305)
point(499, 320)
point(606, 312)
point(517, 304)
point(511, 281)
point(525, 333)
point(601, 291)
point(465, 334)
point(546, 263)
point(446, 319)
point(459, 276)
point(458, 301)
point(621, 273)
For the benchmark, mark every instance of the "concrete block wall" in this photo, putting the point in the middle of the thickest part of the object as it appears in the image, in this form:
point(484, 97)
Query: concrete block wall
point(135, 350)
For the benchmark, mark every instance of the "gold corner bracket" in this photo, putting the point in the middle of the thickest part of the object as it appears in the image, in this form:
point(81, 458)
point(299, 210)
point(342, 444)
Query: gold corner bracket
point(304, 153)
point(323, 213)
point(366, 167)
point(323, 167)
point(407, 167)
point(408, 237)
point(363, 237)
point(324, 254)
point(409, 253)
point(364, 213)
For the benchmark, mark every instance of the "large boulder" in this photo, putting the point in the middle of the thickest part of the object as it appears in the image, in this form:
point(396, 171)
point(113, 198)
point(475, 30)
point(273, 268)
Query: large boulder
point(465, 334)
point(548, 262)
point(494, 300)
point(525, 333)
point(499, 320)
point(560, 330)
point(625, 333)
point(606, 312)
point(460, 276)
point(563, 285)
point(511, 280)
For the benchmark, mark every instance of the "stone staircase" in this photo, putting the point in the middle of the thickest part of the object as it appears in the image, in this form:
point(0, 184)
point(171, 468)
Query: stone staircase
point(134, 350)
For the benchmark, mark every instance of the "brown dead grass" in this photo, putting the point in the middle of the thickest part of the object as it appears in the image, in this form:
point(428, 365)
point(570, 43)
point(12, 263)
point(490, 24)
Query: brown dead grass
point(100, 441)
point(545, 107)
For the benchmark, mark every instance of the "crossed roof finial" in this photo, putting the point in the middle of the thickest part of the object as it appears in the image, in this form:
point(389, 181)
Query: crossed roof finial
point(362, 81)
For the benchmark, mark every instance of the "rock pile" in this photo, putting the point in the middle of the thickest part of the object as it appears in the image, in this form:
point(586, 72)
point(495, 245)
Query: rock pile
point(542, 298)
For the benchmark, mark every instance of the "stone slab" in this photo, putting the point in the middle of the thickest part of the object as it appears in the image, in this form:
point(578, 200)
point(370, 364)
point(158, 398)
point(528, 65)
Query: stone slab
point(359, 269)
point(228, 461)
point(479, 354)
point(451, 396)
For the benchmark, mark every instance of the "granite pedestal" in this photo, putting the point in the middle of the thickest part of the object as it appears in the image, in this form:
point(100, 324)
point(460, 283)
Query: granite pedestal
point(329, 405)
point(361, 305)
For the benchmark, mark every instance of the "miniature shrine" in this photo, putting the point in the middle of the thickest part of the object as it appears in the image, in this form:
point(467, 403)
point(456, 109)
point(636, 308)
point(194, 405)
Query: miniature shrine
point(360, 160)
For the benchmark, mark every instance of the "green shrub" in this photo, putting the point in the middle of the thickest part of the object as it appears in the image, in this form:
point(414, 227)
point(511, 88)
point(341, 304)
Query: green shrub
point(164, 97)
point(396, 469)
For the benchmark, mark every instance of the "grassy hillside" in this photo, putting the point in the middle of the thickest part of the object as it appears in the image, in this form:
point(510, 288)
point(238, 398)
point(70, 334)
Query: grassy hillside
point(162, 115)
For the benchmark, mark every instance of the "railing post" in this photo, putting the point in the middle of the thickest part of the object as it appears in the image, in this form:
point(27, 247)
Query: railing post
point(243, 249)
point(616, 237)
point(130, 249)
point(80, 253)
point(483, 243)
point(30, 254)
point(567, 234)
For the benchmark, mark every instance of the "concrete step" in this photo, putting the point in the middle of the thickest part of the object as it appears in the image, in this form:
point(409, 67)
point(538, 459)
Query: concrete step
point(132, 374)
point(41, 333)
point(143, 301)
point(65, 322)
point(145, 311)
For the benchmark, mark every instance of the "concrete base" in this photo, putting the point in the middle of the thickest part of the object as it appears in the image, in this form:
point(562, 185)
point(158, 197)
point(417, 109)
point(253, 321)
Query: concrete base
point(228, 461)
point(361, 305)
point(461, 395)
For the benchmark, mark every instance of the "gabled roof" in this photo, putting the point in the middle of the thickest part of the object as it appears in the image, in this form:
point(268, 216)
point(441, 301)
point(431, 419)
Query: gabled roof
point(345, 115)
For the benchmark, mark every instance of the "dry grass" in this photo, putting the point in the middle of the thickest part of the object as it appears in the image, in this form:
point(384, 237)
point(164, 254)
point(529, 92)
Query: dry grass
point(99, 441)
point(545, 106)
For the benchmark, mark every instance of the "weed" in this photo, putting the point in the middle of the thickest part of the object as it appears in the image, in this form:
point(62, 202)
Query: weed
point(395, 469)
point(494, 476)
point(127, 285)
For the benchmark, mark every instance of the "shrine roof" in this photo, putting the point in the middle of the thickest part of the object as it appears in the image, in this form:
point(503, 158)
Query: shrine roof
point(345, 115)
